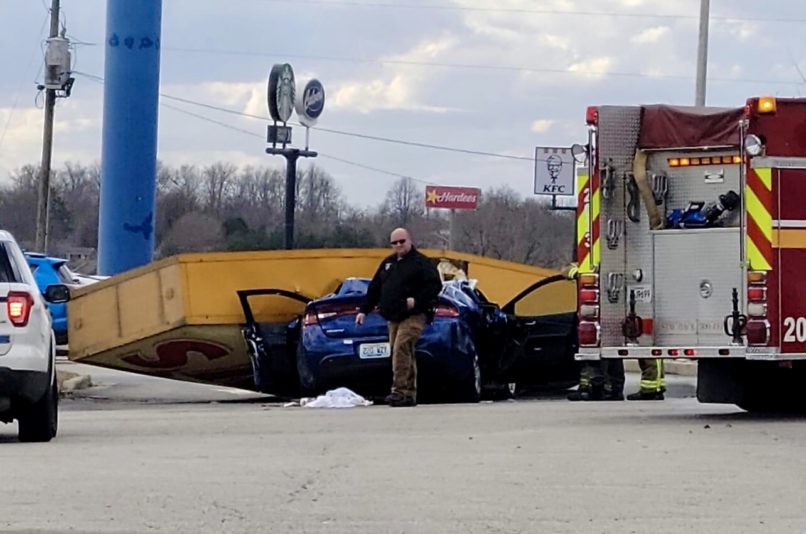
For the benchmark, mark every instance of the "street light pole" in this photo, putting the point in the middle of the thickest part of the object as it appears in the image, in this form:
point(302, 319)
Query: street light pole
point(702, 52)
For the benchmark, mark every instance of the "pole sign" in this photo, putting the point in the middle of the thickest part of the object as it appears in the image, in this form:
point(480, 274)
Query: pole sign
point(310, 103)
point(455, 198)
point(281, 92)
point(554, 171)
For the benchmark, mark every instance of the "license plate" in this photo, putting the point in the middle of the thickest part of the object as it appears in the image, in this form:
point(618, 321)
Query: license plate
point(369, 351)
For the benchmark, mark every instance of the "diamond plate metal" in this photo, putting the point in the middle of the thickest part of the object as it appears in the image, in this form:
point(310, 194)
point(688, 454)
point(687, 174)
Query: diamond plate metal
point(619, 127)
point(682, 259)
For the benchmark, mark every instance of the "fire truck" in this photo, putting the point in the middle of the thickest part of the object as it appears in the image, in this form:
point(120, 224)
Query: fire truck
point(691, 244)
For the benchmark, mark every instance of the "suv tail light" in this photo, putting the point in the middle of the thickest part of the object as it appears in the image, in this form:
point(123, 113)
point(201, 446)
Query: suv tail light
point(18, 307)
point(758, 326)
point(588, 329)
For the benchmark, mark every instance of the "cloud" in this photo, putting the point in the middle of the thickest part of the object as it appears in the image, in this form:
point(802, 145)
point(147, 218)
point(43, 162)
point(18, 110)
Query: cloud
point(650, 35)
point(542, 125)
point(401, 86)
point(594, 68)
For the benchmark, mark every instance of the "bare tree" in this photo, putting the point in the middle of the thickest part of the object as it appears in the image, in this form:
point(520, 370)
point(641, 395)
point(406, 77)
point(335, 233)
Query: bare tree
point(404, 202)
point(217, 179)
point(193, 232)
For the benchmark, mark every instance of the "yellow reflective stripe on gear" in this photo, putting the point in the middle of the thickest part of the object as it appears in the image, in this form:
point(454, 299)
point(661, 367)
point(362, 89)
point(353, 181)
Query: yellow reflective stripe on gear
point(661, 376)
point(759, 213)
point(757, 260)
point(765, 175)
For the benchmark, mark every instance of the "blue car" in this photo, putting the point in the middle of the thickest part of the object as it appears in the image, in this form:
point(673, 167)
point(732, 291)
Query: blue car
point(471, 346)
point(48, 271)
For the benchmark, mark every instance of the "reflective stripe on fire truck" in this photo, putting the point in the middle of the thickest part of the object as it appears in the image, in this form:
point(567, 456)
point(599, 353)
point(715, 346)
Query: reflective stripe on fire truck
point(583, 224)
point(758, 196)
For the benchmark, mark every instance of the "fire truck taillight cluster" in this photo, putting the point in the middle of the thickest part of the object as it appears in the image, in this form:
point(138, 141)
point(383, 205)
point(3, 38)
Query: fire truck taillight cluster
point(588, 328)
point(758, 326)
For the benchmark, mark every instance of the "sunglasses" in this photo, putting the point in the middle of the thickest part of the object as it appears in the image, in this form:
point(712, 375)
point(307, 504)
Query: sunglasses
point(398, 242)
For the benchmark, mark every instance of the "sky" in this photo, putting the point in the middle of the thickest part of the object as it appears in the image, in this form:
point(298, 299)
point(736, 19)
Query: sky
point(499, 77)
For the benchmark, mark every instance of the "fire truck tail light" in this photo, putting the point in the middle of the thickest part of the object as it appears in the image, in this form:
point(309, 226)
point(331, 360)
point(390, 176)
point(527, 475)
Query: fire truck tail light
point(758, 332)
point(690, 352)
point(757, 294)
point(755, 309)
point(757, 277)
point(674, 162)
point(592, 115)
point(674, 352)
point(657, 352)
point(588, 311)
point(767, 105)
point(588, 333)
point(589, 296)
point(685, 162)
point(589, 280)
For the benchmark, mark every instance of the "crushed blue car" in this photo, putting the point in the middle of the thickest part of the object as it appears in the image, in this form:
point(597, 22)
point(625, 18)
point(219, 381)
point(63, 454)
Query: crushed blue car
point(471, 346)
point(48, 271)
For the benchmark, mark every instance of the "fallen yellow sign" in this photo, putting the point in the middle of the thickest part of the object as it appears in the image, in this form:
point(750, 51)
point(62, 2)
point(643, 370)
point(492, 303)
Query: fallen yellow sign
point(180, 317)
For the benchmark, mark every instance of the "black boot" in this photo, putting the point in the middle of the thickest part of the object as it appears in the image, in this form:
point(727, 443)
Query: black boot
point(646, 395)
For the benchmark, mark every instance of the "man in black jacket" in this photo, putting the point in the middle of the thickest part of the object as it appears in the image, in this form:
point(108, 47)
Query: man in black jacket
point(405, 289)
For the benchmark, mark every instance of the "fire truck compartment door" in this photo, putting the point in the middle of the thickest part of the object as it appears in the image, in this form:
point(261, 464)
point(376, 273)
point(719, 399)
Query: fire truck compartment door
point(695, 272)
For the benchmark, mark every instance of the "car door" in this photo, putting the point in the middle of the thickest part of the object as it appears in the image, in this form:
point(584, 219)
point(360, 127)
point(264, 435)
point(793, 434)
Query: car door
point(541, 334)
point(271, 346)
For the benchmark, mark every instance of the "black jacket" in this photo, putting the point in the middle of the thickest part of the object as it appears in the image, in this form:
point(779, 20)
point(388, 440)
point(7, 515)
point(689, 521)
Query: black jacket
point(414, 276)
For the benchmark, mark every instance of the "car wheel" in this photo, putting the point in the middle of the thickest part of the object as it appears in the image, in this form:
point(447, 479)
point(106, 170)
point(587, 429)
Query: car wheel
point(39, 421)
point(470, 388)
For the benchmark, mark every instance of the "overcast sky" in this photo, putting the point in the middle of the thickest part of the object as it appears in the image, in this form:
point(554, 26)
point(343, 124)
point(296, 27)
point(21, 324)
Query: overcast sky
point(500, 77)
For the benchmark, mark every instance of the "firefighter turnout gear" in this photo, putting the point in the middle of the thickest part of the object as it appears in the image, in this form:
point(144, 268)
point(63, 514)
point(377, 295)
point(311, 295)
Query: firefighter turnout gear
point(653, 381)
point(600, 380)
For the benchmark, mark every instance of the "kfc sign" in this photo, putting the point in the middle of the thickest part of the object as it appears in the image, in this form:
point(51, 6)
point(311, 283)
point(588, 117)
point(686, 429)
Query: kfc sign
point(455, 198)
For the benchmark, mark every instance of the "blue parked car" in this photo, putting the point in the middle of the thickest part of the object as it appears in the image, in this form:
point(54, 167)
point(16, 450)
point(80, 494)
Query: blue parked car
point(48, 271)
point(471, 345)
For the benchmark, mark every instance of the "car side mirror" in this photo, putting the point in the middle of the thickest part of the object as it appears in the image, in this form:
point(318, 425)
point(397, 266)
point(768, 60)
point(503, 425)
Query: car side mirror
point(57, 293)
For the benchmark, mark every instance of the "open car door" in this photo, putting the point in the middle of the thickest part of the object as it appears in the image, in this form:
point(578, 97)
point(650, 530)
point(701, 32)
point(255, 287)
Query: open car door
point(272, 346)
point(541, 337)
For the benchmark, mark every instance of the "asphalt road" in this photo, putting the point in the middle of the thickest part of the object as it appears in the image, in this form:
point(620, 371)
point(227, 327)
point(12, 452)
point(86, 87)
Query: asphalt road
point(135, 463)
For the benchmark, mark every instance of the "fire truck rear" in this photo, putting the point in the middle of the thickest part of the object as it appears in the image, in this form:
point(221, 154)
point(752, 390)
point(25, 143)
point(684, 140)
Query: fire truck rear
point(691, 234)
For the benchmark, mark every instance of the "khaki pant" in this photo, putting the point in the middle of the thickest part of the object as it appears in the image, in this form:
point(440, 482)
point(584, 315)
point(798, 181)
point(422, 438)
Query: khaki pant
point(403, 337)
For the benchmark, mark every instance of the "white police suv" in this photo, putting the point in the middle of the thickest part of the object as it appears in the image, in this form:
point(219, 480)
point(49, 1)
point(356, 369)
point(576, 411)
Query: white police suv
point(28, 387)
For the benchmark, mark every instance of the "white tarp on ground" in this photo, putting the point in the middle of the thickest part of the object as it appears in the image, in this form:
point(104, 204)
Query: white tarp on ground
point(336, 398)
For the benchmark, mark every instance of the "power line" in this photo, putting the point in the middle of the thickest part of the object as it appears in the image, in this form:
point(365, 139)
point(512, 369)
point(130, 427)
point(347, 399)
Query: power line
point(253, 134)
point(342, 132)
point(534, 11)
point(471, 66)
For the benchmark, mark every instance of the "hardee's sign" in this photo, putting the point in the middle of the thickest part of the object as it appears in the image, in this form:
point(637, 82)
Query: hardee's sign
point(457, 198)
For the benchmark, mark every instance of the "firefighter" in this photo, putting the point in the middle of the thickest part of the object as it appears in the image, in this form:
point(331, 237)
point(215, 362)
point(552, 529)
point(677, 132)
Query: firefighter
point(653, 381)
point(598, 380)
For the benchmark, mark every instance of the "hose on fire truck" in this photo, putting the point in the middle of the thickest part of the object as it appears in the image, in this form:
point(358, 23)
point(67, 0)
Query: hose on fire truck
point(642, 182)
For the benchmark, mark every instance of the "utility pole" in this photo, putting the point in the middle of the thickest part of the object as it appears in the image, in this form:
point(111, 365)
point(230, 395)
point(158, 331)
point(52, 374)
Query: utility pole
point(702, 52)
point(52, 74)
